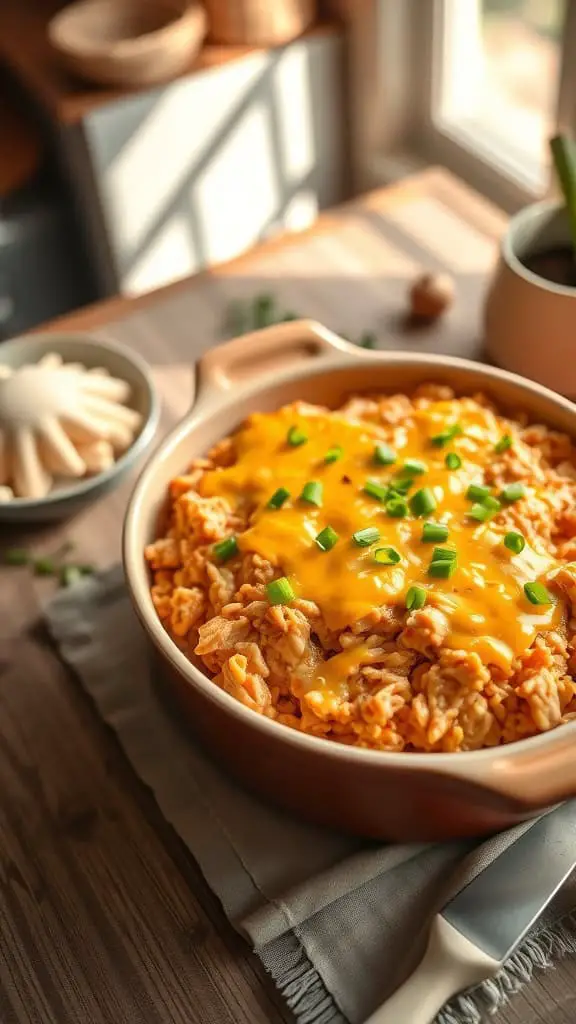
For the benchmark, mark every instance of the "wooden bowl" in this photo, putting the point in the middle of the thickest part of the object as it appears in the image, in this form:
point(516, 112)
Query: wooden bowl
point(130, 43)
point(257, 23)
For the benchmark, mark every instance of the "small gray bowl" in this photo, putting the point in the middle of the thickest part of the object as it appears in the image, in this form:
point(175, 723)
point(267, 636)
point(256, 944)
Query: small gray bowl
point(122, 363)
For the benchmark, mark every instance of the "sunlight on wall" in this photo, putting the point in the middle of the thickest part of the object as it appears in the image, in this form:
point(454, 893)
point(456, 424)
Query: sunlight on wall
point(300, 211)
point(170, 247)
point(292, 100)
point(197, 172)
point(183, 127)
point(239, 191)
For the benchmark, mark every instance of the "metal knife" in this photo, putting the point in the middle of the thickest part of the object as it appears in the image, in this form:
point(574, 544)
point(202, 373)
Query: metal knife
point(481, 927)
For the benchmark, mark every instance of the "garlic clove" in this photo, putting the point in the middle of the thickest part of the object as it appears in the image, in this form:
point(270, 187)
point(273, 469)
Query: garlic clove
point(106, 387)
point(97, 456)
point(74, 369)
point(6, 494)
point(51, 361)
point(30, 478)
point(112, 412)
point(120, 436)
point(81, 427)
point(58, 451)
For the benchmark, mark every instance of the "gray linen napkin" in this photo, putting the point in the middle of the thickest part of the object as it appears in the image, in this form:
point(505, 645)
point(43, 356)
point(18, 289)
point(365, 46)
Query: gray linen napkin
point(337, 922)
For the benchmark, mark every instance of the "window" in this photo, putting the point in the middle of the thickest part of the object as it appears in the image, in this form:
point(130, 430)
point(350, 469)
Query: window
point(483, 84)
point(497, 68)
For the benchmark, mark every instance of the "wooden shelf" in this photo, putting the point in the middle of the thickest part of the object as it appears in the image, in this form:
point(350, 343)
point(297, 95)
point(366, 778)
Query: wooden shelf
point(25, 49)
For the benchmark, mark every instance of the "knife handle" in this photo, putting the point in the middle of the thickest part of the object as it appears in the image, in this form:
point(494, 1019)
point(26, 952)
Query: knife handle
point(450, 964)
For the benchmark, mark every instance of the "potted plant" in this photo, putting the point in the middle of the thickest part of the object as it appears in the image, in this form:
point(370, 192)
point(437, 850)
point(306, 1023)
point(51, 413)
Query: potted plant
point(530, 310)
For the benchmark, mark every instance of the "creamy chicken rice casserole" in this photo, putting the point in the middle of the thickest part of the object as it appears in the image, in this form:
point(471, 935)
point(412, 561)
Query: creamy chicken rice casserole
point(398, 574)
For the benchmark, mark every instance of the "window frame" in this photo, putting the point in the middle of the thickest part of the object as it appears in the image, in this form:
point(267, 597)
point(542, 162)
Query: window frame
point(393, 120)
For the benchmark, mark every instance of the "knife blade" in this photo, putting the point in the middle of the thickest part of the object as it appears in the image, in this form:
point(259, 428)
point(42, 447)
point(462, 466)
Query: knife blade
point(497, 909)
point(479, 929)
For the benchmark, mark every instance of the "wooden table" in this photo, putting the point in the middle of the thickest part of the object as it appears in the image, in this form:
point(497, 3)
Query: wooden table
point(104, 915)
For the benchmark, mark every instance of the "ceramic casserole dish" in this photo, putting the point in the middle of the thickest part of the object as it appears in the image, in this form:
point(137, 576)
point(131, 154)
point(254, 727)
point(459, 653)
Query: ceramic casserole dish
point(400, 796)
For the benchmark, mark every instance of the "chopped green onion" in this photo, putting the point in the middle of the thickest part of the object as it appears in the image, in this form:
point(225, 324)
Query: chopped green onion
point(503, 444)
point(16, 556)
point(387, 556)
point(423, 502)
point(70, 574)
point(225, 549)
point(236, 319)
point(368, 340)
point(514, 542)
point(452, 461)
point(492, 504)
point(537, 593)
point(443, 555)
point(295, 437)
point(263, 310)
point(333, 454)
point(480, 513)
point(280, 591)
point(375, 490)
point(326, 539)
point(278, 498)
point(400, 485)
point(477, 492)
point(45, 567)
point(384, 455)
point(513, 492)
point(446, 435)
point(432, 532)
point(414, 466)
point(397, 507)
point(415, 598)
point(483, 510)
point(364, 538)
point(312, 493)
point(442, 568)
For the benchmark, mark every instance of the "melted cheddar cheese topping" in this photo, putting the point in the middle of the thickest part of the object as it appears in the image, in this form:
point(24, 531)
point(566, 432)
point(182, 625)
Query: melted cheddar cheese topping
point(484, 599)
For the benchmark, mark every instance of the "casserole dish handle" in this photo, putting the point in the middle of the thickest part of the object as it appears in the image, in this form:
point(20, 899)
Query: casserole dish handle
point(539, 776)
point(268, 354)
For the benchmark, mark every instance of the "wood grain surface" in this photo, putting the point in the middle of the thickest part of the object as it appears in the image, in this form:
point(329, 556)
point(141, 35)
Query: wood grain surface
point(104, 917)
